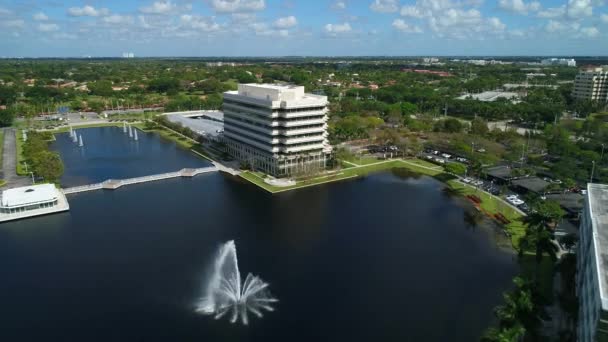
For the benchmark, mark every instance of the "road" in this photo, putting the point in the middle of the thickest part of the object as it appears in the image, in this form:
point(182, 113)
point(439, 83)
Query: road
point(9, 162)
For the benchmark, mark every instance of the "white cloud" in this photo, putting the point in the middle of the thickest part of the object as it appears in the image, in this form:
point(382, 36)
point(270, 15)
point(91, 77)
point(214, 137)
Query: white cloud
point(562, 27)
point(554, 12)
point(459, 19)
point(117, 19)
point(4, 11)
point(337, 29)
point(590, 32)
point(604, 18)
point(519, 6)
point(159, 7)
point(339, 5)
point(411, 11)
point(402, 26)
point(12, 23)
point(48, 27)
point(228, 6)
point(87, 11)
point(200, 23)
point(243, 17)
point(40, 17)
point(63, 35)
point(576, 9)
point(496, 25)
point(286, 22)
point(384, 6)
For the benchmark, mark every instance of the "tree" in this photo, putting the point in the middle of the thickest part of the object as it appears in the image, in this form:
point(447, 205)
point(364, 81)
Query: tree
point(479, 126)
point(164, 85)
point(6, 117)
point(518, 316)
point(47, 165)
point(450, 125)
point(456, 168)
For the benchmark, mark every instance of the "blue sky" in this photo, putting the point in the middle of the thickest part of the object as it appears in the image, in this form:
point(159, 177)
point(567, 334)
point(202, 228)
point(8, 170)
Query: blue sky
point(72, 28)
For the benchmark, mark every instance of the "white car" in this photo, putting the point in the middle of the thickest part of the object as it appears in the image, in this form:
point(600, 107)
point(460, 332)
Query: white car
point(445, 155)
point(467, 180)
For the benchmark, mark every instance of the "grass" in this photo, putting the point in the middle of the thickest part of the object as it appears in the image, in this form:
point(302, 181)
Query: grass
point(346, 173)
point(492, 205)
point(19, 149)
point(104, 124)
point(180, 139)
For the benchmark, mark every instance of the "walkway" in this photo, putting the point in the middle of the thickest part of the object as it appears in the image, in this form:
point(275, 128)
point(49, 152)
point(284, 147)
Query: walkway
point(9, 161)
point(112, 184)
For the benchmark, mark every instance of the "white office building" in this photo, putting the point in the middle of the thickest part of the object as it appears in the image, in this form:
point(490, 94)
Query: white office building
point(592, 268)
point(592, 84)
point(278, 129)
point(30, 201)
point(558, 61)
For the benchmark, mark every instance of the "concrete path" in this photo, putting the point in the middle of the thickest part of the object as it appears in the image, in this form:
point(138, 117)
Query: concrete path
point(9, 162)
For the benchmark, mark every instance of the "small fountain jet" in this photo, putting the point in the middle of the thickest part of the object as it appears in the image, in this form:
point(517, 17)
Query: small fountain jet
point(224, 294)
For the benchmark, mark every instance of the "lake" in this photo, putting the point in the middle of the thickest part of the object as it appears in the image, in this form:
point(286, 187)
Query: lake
point(382, 258)
point(108, 152)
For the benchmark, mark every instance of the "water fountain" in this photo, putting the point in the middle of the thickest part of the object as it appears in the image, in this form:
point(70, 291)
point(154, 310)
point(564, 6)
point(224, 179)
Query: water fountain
point(80, 144)
point(130, 132)
point(124, 127)
point(225, 294)
point(135, 134)
point(74, 137)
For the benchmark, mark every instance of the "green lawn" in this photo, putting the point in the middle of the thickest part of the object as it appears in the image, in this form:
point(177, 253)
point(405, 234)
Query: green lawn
point(19, 148)
point(169, 134)
point(493, 205)
point(105, 124)
point(346, 173)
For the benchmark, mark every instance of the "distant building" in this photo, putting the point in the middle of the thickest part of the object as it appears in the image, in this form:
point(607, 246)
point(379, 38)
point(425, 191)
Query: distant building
point(592, 84)
point(558, 61)
point(128, 55)
point(30, 201)
point(491, 96)
point(277, 129)
point(592, 268)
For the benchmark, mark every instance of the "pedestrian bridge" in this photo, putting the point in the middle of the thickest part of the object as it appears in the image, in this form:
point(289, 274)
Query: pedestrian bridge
point(112, 184)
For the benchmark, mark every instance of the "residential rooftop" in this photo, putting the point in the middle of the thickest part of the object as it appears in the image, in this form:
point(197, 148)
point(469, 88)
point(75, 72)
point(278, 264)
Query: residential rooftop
point(533, 184)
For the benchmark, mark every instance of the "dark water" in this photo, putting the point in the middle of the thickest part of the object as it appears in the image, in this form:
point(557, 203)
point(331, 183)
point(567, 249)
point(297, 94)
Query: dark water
point(110, 153)
point(378, 259)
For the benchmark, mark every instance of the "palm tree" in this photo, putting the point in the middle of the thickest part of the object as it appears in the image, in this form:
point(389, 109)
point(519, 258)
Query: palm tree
point(517, 316)
point(511, 334)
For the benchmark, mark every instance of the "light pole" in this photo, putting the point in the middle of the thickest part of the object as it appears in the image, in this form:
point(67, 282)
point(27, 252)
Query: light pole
point(592, 170)
point(33, 182)
point(602, 154)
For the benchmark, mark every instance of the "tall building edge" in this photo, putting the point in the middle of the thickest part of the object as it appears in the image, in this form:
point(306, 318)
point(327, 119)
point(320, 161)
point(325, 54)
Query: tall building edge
point(277, 129)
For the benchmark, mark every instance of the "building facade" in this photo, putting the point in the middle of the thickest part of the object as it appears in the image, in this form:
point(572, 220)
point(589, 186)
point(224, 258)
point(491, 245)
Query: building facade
point(592, 266)
point(278, 129)
point(592, 84)
point(558, 61)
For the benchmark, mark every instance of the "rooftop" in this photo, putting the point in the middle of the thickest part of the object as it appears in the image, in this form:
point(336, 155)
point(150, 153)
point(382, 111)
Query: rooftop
point(27, 195)
point(490, 96)
point(502, 172)
point(277, 95)
point(571, 201)
point(597, 196)
point(533, 184)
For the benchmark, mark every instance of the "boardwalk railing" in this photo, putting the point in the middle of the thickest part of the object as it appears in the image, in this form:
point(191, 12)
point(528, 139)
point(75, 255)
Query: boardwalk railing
point(112, 184)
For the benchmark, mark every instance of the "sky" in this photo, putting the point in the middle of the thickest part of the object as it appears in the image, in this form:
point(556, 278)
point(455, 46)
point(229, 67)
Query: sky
point(148, 28)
